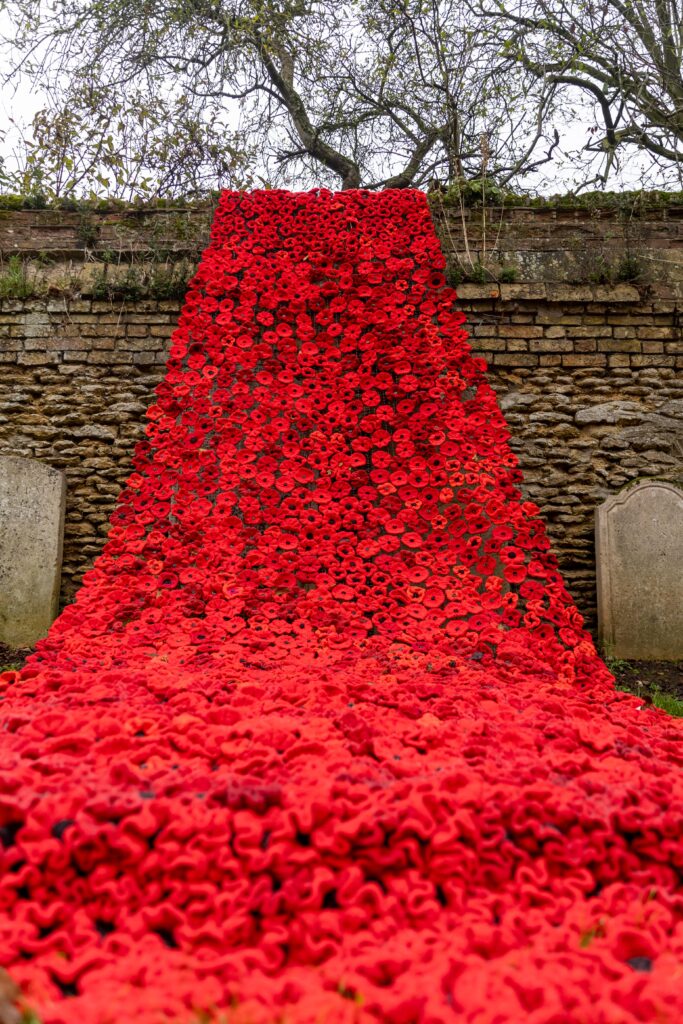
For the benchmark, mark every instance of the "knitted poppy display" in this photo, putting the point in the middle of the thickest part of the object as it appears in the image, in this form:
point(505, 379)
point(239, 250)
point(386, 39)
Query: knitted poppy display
point(323, 738)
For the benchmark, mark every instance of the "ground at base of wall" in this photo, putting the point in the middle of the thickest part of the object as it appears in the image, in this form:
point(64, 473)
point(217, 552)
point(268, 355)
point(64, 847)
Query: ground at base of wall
point(11, 659)
point(657, 682)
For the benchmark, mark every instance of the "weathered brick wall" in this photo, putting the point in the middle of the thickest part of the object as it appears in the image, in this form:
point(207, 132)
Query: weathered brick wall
point(635, 237)
point(590, 377)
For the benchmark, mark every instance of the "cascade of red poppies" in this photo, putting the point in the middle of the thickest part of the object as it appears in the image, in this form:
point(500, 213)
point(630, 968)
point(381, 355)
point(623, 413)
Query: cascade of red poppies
point(322, 737)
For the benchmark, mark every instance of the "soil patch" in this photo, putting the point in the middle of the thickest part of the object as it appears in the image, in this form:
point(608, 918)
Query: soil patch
point(12, 657)
point(665, 676)
point(657, 682)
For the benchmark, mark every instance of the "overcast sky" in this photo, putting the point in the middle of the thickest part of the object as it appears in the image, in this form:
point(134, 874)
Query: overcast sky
point(19, 102)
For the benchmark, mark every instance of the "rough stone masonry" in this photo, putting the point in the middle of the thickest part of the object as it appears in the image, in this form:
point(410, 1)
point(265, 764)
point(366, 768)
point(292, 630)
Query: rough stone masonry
point(588, 369)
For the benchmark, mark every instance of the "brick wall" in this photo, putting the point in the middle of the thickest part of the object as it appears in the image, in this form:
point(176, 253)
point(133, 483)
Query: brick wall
point(590, 376)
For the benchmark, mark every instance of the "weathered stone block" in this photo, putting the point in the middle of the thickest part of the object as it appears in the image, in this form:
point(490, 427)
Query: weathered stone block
point(643, 360)
point(624, 332)
point(584, 360)
point(522, 331)
point(515, 359)
point(589, 332)
point(619, 344)
point(522, 291)
point(37, 358)
point(491, 344)
point(95, 432)
point(668, 333)
point(639, 556)
point(610, 412)
point(552, 344)
point(32, 501)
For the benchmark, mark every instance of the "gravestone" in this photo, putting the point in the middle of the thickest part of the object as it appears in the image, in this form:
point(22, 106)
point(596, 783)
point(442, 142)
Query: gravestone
point(32, 499)
point(639, 554)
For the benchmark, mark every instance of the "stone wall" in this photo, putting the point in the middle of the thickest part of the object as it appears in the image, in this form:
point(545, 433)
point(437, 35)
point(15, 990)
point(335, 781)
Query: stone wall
point(75, 382)
point(589, 375)
point(591, 383)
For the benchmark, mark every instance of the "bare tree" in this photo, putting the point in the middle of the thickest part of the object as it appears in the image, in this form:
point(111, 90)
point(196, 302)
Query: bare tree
point(625, 58)
point(179, 95)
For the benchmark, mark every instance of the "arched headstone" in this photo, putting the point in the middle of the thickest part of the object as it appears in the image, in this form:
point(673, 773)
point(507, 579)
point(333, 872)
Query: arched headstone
point(32, 499)
point(639, 552)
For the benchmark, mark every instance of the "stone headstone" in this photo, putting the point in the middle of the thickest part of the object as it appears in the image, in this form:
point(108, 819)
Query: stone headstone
point(639, 554)
point(32, 499)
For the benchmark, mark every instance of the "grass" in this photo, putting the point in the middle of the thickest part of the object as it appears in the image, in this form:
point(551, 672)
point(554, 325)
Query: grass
point(16, 280)
point(616, 665)
point(672, 705)
point(144, 280)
